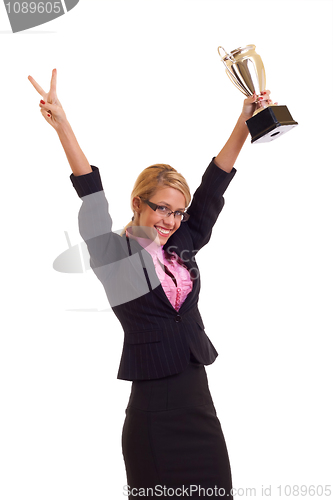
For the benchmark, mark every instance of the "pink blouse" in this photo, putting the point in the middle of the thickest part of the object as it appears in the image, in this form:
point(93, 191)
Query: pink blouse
point(175, 293)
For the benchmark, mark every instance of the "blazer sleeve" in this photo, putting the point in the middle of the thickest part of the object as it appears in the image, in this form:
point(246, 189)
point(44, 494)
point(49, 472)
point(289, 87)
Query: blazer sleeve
point(207, 203)
point(95, 223)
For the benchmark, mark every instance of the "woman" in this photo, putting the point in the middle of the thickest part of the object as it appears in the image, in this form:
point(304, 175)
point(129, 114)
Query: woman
point(172, 440)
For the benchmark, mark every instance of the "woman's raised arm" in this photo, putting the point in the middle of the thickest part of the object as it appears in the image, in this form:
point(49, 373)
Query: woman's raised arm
point(229, 153)
point(54, 114)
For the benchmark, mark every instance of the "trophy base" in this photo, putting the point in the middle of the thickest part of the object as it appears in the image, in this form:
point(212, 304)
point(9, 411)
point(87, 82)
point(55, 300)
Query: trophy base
point(270, 123)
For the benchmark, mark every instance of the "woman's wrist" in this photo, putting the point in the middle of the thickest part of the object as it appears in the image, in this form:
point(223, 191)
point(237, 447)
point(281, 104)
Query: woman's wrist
point(243, 117)
point(64, 128)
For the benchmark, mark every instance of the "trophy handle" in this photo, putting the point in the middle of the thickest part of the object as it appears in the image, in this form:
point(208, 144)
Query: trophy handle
point(229, 57)
point(229, 73)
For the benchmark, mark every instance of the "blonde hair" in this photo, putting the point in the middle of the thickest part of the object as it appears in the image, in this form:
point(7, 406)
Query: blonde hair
point(154, 177)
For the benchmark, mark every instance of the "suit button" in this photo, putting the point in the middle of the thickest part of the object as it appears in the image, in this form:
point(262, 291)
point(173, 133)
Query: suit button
point(178, 318)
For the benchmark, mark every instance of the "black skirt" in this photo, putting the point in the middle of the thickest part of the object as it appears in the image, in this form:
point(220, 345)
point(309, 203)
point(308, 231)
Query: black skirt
point(172, 440)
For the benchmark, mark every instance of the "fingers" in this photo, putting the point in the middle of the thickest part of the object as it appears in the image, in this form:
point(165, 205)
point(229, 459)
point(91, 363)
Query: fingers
point(47, 116)
point(37, 87)
point(264, 99)
point(264, 96)
point(251, 99)
point(47, 106)
point(53, 87)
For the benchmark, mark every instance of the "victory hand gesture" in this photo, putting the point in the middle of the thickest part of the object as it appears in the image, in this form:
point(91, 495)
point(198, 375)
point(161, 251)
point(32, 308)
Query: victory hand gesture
point(50, 105)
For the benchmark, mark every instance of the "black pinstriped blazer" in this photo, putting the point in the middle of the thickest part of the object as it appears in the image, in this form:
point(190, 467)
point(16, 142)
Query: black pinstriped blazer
point(158, 340)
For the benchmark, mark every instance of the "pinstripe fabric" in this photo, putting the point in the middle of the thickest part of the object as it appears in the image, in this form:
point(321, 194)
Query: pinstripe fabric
point(157, 339)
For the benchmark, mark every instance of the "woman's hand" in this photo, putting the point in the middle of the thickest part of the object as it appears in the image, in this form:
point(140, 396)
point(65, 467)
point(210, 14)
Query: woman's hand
point(51, 109)
point(250, 104)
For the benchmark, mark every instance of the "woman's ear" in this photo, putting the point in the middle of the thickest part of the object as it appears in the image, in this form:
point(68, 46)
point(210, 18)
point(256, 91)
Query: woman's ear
point(136, 204)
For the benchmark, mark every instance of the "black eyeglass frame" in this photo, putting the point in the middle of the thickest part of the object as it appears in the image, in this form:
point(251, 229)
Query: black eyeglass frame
point(154, 206)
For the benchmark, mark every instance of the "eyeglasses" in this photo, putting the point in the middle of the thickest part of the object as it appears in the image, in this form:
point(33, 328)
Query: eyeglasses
point(166, 212)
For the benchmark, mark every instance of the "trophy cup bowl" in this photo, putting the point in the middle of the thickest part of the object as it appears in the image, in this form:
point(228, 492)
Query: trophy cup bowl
point(246, 70)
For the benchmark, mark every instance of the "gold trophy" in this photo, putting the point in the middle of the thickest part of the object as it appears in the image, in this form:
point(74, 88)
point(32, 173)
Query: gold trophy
point(246, 71)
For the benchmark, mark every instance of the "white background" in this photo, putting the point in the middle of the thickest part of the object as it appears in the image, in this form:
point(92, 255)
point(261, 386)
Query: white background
point(141, 83)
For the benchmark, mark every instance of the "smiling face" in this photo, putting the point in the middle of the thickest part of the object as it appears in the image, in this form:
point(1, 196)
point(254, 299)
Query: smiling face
point(147, 217)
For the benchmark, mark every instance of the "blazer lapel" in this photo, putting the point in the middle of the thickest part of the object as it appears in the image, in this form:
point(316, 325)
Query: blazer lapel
point(135, 248)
